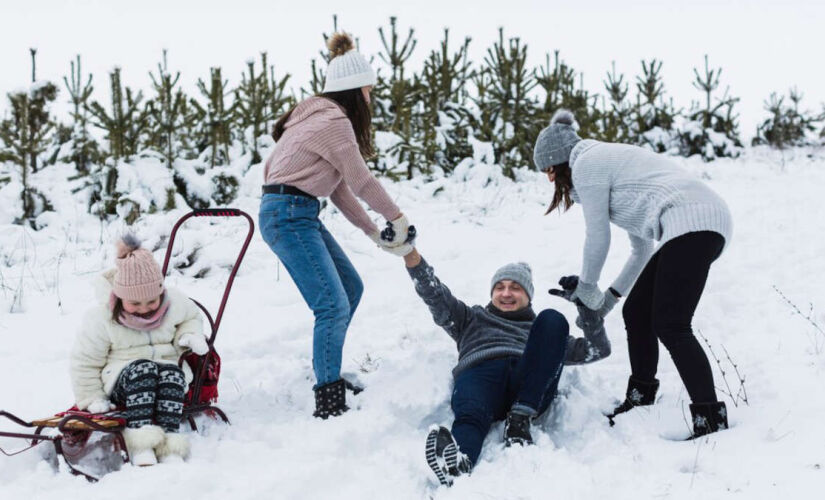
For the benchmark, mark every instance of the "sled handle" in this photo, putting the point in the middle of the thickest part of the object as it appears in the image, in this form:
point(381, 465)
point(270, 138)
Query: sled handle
point(214, 212)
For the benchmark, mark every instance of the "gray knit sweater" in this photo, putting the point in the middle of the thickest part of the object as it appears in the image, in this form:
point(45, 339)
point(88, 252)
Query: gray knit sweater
point(645, 194)
point(481, 335)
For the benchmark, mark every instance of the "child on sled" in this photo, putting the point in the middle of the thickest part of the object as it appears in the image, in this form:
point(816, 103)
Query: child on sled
point(126, 354)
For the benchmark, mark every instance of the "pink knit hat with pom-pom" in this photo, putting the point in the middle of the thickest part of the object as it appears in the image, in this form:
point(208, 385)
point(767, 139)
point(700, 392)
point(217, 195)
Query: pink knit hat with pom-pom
point(138, 277)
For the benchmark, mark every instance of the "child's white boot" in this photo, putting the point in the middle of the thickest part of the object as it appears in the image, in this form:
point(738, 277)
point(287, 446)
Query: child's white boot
point(175, 448)
point(141, 444)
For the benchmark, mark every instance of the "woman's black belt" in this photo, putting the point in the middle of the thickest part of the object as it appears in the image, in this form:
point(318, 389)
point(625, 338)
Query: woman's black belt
point(285, 189)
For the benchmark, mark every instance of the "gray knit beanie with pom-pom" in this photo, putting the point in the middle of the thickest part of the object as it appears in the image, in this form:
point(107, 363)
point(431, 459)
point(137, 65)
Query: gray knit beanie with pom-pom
point(556, 141)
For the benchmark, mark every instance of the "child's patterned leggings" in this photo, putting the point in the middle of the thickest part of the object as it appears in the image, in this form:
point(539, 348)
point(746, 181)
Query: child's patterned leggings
point(152, 393)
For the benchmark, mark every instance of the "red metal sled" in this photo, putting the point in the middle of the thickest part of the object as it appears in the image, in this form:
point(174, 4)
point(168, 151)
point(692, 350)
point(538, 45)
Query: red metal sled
point(76, 427)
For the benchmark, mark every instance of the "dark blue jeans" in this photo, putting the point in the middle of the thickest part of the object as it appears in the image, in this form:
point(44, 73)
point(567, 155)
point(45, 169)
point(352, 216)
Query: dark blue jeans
point(328, 282)
point(485, 392)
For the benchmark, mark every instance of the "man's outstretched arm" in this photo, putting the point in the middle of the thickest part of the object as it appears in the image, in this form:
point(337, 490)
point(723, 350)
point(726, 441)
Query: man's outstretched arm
point(448, 312)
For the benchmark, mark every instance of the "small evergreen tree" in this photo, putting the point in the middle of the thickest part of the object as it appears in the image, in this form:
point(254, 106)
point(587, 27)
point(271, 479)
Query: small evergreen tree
point(126, 123)
point(444, 120)
point(25, 136)
point(711, 130)
point(214, 134)
point(617, 116)
point(124, 127)
point(169, 116)
point(559, 84)
point(279, 101)
point(510, 107)
point(84, 150)
point(395, 98)
point(788, 125)
point(654, 117)
point(253, 106)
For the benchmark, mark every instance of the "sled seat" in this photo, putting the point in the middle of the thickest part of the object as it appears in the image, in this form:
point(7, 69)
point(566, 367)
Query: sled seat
point(78, 425)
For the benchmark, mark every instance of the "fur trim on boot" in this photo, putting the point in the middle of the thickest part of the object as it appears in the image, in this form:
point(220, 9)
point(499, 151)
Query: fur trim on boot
point(174, 448)
point(141, 442)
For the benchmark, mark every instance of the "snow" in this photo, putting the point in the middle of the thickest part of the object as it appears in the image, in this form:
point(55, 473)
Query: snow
point(469, 224)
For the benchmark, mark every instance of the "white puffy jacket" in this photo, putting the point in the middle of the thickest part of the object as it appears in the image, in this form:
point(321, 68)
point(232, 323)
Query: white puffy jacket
point(104, 347)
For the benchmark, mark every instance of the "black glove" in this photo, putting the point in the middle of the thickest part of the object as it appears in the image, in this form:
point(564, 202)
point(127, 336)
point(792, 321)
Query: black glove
point(568, 286)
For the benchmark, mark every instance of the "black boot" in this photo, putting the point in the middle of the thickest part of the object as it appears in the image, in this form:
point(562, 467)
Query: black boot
point(639, 393)
point(708, 418)
point(517, 429)
point(330, 399)
point(444, 457)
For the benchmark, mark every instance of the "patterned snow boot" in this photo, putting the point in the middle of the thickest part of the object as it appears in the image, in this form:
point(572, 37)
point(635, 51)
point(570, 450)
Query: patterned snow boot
point(708, 418)
point(330, 399)
point(638, 393)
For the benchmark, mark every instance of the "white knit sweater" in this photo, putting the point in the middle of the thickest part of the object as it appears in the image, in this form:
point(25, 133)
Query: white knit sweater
point(645, 194)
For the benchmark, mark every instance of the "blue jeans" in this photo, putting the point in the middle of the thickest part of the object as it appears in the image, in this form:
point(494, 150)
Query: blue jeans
point(328, 282)
point(485, 392)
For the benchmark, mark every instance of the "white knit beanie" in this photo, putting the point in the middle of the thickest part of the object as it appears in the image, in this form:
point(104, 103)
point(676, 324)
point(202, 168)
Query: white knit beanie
point(347, 69)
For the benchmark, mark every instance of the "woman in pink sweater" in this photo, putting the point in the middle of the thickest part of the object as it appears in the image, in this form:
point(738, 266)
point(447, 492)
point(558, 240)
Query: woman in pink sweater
point(322, 143)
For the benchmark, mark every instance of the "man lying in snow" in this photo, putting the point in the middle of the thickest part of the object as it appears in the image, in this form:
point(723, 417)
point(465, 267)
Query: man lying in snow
point(509, 360)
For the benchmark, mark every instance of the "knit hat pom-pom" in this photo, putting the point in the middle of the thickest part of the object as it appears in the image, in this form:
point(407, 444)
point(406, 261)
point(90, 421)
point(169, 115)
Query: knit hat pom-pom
point(128, 244)
point(564, 117)
point(339, 44)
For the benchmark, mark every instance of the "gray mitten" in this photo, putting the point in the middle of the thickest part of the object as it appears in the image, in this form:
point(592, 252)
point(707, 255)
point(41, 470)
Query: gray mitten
point(589, 320)
point(589, 295)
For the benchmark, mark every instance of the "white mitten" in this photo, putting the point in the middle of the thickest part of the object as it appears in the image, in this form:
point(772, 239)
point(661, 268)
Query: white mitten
point(395, 234)
point(401, 250)
point(376, 237)
point(99, 406)
point(195, 342)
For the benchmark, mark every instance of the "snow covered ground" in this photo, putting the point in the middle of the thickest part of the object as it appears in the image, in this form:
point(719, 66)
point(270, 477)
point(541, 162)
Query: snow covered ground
point(468, 225)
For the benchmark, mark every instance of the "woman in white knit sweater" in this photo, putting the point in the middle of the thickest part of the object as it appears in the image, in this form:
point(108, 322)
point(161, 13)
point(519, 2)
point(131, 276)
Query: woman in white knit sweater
point(651, 198)
point(126, 354)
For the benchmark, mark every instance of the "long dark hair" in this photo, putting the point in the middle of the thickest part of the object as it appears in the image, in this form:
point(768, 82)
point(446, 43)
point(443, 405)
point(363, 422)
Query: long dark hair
point(358, 112)
point(564, 183)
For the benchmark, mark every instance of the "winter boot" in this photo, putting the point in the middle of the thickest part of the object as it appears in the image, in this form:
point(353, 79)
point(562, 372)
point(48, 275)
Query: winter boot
point(443, 456)
point(638, 393)
point(141, 442)
point(708, 418)
point(175, 448)
point(330, 399)
point(517, 429)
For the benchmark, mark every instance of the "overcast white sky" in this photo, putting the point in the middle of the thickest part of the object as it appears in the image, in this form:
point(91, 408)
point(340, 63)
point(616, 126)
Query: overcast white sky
point(761, 45)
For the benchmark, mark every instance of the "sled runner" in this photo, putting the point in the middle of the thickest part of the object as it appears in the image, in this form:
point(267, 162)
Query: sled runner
point(81, 434)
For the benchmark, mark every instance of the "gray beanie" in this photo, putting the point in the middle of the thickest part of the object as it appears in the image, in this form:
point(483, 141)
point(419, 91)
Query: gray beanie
point(519, 272)
point(556, 141)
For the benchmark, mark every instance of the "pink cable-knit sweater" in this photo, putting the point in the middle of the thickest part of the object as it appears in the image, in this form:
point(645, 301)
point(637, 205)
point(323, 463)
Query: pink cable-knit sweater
point(318, 154)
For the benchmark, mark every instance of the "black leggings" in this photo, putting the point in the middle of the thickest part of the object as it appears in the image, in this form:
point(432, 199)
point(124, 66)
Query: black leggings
point(661, 306)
